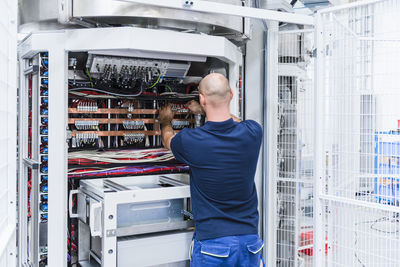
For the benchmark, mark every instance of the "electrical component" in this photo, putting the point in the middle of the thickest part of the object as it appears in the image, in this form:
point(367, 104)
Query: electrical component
point(133, 125)
point(44, 207)
point(44, 130)
point(45, 121)
point(44, 91)
point(87, 125)
point(125, 66)
point(87, 106)
point(44, 111)
point(44, 217)
point(44, 149)
point(133, 138)
point(81, 139)
point(44, 188)
point(179, 108)
point(44, 169)
point(179, 124)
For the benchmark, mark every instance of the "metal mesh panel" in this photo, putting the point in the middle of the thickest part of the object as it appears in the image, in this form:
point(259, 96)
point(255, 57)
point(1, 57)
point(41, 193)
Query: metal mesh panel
point(359, 66)
point(295, 147)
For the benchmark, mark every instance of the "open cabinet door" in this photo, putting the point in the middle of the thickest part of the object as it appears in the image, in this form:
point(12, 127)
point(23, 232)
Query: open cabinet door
point(357, 154)
point(8, 148)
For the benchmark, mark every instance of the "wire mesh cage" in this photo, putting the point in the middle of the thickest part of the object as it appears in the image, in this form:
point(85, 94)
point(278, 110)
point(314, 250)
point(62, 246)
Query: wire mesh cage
point(295, 149)
point(358, 114)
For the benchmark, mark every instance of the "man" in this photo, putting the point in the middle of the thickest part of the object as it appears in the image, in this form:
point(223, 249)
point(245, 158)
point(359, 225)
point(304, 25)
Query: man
point(222, 156)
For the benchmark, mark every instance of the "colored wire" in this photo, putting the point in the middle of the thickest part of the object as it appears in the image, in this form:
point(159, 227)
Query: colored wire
point(124, 156)
point(106, 92)
point(169, 87)
point(90, 78)
point(44, 65)
point(127, 170)
point(158, 79)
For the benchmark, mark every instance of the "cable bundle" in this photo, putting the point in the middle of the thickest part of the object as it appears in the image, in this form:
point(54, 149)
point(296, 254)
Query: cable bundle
point(132, 156)
point(113, 163)
point(126, 170)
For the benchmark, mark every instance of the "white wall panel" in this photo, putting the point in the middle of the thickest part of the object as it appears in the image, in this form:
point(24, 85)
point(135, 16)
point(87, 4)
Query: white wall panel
point(8, 102)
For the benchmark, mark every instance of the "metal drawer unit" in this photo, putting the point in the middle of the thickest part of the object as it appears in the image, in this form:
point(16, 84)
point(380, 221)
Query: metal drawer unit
point(129, 211)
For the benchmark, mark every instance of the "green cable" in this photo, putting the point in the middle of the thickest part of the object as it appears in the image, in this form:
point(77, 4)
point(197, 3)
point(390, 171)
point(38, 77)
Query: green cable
point(169, 87)
point(154, 84)
point(90, 78)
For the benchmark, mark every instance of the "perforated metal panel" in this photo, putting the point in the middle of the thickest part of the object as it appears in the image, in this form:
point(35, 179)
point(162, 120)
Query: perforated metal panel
point(358, 136)
point(8, 100)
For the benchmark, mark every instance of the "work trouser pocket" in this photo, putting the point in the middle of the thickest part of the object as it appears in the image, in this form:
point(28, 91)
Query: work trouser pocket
point(254, 252)
point(214, 254)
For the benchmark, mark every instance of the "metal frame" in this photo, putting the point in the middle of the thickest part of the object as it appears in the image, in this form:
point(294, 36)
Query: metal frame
point(58, 44)
point(226, 9)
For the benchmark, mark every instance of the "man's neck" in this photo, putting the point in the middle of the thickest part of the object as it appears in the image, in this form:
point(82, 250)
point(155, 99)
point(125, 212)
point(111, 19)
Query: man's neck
point(218, 115)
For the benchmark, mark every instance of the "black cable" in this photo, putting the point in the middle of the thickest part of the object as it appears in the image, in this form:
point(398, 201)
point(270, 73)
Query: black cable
point(355, 253)
point(373, 222)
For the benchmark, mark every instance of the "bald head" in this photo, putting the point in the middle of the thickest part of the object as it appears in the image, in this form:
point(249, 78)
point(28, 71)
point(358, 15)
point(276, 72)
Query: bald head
point(215, 87)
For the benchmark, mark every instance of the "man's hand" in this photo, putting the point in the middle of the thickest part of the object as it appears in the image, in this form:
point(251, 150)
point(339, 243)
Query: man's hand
point(195, 107)
point(165, 116)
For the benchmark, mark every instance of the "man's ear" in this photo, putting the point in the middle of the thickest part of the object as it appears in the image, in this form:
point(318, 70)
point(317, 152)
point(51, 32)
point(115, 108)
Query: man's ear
point(231, 94)
point(202, 100)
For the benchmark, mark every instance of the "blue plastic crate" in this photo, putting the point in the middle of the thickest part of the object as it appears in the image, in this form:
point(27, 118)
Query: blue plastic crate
point(387, 166)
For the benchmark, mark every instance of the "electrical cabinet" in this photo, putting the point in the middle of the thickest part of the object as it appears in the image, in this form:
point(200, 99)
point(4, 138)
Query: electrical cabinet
point(94, 177)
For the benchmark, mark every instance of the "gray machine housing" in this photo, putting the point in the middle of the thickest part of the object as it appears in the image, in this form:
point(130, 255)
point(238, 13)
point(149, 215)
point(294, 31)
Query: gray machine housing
point(139, 216)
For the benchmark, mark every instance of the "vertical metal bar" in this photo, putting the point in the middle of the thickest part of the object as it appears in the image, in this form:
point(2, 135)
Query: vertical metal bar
point(23, 172)
point(297, 164)
point(270, 142)
point(319, 235)
point(58, 154)
point(109, 242)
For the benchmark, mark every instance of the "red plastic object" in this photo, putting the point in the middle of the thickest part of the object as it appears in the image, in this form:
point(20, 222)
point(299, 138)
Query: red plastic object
point(306, 238)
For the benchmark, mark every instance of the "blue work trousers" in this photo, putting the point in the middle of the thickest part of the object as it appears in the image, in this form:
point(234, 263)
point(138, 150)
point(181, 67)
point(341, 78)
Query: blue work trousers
point(230, 251)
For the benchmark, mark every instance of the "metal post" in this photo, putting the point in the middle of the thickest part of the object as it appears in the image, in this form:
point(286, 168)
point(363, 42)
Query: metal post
point(270, 141)
point(318, 234)
point(109, 238)
point(58, 180)
point(23, 170)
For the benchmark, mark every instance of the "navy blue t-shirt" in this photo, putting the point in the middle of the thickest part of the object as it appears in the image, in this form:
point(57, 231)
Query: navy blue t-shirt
point(222, 157)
